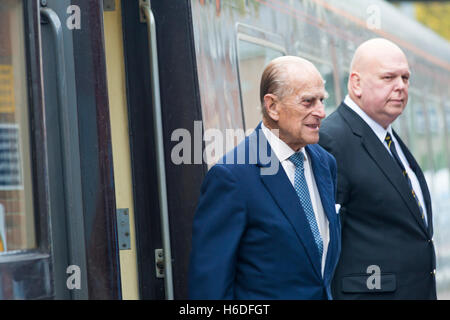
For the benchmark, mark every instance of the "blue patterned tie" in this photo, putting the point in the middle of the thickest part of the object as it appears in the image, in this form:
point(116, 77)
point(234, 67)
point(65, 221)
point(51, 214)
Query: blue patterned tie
point(302, 190)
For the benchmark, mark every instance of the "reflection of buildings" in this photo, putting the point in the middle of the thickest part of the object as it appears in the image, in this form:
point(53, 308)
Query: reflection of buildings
point(17, 225)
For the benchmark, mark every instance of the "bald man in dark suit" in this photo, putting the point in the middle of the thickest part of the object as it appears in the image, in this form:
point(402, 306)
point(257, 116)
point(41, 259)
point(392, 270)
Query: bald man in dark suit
point(386, 214)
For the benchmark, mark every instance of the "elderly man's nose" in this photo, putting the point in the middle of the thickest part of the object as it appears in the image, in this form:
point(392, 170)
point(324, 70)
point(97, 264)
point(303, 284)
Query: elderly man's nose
point(320, 109)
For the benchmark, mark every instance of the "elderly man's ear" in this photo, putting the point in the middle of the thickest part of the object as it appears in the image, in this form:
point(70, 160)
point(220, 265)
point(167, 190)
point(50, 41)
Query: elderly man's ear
point(355, 84)
point(271, 105)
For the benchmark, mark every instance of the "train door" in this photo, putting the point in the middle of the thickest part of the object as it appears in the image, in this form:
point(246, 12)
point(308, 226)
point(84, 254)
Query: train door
point(162, 98)
point(57, 188)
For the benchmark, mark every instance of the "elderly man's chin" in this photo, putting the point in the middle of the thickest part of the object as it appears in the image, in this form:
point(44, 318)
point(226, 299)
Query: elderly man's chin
point(313, 137)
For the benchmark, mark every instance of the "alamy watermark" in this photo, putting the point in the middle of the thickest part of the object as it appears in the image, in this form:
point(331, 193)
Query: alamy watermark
point(74, 279)
point(373, 21)
point(222, 146)
point(374, 280)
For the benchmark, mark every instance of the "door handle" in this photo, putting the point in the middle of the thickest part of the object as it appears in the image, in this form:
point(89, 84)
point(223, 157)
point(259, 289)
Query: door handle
point(144, 6)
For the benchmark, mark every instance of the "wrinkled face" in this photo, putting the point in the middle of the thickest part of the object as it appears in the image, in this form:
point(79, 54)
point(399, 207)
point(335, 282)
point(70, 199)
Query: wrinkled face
point(384, 88)
point(300, 114)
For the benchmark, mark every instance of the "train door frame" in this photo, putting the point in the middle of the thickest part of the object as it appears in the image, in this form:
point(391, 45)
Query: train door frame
point(42, 273)
point(100, 219)
point(181, 107)
point(27, 271)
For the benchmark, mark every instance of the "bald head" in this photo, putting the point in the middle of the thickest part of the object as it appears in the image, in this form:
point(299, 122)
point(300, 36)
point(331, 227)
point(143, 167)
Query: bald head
point(379, 80)
point(373, 51)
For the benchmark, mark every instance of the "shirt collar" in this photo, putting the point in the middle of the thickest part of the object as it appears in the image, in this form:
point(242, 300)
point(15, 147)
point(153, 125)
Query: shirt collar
point(281, 149)
point(379, 131)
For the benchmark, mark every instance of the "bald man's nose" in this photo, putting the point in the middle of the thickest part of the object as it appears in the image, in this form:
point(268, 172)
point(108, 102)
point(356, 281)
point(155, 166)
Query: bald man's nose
point(400, 83)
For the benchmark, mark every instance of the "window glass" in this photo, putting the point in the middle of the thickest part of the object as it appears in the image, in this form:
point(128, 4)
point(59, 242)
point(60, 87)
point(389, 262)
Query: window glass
point(17, 230)
point(253, 58)
point(326, 70)
point(440, 190)
point(419, 140)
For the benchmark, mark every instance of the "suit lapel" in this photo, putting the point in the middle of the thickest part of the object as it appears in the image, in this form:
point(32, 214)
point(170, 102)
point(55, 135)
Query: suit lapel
point(325, 186)
point(422, 181)
point(283, 193)
point(383, 159)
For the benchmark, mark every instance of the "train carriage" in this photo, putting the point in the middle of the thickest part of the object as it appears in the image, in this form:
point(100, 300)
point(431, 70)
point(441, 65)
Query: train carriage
point(110, 113)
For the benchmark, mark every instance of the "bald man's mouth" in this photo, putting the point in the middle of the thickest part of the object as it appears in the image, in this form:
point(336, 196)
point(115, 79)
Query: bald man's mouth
point(396, 100)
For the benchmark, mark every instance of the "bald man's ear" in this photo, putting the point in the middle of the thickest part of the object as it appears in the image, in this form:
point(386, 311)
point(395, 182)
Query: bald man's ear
point(271, 106)
point(354, 84)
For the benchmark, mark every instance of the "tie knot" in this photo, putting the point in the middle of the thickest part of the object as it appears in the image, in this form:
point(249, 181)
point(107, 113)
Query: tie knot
point(388, 139)
point(297, 159)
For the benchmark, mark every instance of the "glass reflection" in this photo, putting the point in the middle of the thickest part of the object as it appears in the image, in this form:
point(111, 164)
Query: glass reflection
point(17, 230)
point(252, 60)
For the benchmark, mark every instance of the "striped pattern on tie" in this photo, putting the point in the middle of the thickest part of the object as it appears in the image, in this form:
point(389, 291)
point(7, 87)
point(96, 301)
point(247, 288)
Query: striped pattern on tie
point(393, 149)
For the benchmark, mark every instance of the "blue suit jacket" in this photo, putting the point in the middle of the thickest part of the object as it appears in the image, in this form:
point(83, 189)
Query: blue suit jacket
point(251, 238)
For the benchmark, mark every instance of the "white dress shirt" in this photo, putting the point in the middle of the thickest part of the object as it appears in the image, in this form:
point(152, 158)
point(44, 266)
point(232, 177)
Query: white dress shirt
point(283, 152)
point(380, 132)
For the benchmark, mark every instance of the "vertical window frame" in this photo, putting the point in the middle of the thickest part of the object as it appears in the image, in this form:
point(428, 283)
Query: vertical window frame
point(33, 266)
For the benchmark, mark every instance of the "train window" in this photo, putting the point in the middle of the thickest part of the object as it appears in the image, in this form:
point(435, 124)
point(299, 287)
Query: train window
point(401, 126)
point(447, 115)
point(343, 78)
point(252, 60)
point(438, 136)
point(326, 70)
point(419, 140)
point(17, 230)
point(254, 53)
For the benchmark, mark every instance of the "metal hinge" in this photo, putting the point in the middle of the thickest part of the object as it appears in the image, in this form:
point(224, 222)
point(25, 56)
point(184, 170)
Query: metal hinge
point(159, 263)
point(123, 229)
point(109, 5)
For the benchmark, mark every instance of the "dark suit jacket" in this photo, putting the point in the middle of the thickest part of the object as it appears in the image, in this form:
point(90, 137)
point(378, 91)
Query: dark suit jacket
point(251, 238)
point(381, 222)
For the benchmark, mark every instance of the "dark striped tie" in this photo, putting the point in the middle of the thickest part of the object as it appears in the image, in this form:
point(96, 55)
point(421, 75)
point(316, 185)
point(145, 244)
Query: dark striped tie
point(393, 149)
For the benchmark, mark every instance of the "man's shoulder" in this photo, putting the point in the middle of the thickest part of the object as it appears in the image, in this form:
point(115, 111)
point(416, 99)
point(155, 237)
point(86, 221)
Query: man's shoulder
point(334, 123)
point(336, 130)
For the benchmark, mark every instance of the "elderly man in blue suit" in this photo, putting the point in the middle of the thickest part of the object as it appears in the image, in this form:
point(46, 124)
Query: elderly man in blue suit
point(264, 230)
